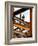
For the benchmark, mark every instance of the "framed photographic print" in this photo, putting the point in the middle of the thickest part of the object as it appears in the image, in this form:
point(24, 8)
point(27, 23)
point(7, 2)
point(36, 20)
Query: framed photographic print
point(20, 22)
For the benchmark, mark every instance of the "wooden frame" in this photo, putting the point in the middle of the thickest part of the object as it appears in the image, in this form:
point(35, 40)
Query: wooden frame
point(33, 23)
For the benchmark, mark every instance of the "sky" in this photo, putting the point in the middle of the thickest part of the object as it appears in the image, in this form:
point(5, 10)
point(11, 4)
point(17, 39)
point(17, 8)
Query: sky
point(25, 13)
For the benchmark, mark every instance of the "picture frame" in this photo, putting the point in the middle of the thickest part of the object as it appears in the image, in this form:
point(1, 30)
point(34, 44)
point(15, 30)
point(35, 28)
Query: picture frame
point(8, 31)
